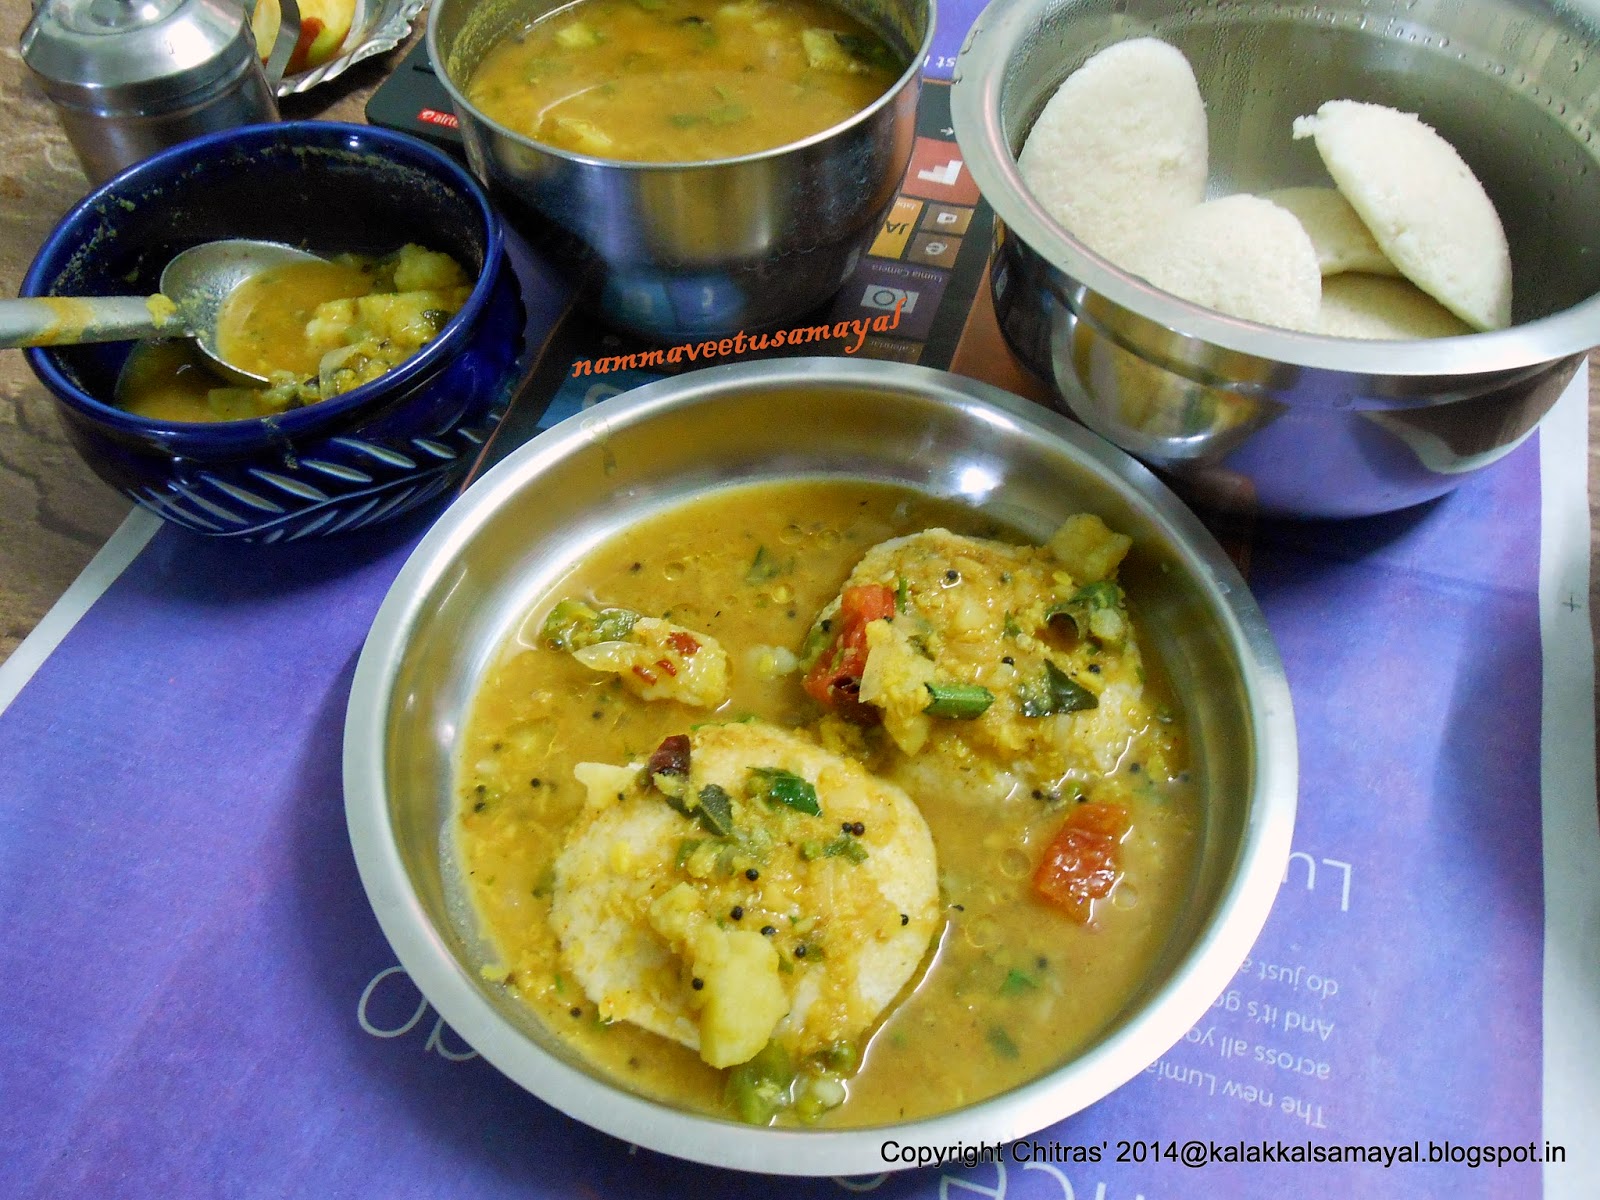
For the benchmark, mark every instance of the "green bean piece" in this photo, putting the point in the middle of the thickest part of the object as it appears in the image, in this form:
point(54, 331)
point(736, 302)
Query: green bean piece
point(757, 1089)
point(958, 701)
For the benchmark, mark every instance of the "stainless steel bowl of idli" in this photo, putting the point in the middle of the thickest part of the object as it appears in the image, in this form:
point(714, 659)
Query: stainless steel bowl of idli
point(678, 251)
point(1245, 417)
point(521, 527)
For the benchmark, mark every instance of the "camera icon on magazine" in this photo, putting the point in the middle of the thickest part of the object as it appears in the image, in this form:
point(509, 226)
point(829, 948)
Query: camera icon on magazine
point(880, 296)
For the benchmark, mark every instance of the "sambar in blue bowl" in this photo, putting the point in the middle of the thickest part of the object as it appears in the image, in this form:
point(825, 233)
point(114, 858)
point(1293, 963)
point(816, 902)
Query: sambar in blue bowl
point(339, 464)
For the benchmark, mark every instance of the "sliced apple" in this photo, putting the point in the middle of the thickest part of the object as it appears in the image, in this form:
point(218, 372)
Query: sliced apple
point(324, 25)
point(264, 25)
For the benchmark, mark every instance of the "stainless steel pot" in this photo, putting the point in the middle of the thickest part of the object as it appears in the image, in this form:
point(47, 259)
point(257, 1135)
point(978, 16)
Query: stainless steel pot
point(1244, 417)
point(687, 250)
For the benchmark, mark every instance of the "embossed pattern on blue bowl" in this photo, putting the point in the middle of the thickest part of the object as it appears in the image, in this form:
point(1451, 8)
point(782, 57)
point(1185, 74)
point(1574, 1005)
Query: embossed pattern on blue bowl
point(363, 457)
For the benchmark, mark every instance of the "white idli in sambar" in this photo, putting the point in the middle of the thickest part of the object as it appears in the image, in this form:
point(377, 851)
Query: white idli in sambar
point(772, 910)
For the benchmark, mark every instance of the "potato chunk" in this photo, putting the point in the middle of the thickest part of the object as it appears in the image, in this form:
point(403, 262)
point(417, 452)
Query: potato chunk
point(418, 269)
point(654, 659)
point(743, 1000)
point(663, 661)
point(1088, 548)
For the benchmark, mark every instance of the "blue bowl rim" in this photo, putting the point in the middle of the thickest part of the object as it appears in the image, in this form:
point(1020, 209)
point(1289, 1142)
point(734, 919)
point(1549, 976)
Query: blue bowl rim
point(311, 417)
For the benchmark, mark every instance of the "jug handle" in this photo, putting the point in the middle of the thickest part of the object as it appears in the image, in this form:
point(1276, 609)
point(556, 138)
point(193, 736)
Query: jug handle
point(288, 36)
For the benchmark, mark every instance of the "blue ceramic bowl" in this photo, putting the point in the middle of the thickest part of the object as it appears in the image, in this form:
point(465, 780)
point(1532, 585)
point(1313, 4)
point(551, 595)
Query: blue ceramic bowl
point(359, 458)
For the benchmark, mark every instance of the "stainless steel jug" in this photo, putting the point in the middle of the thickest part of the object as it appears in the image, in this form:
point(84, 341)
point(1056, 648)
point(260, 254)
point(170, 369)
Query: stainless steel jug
point(130, 77)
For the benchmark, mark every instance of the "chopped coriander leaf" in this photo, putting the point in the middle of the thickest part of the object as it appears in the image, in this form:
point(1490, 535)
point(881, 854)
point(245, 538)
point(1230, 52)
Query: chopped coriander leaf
point(1000, 1042)
point(685, 848)
point(843, 846)
point(1016, 982)
point(765, 567)
point(820, 636)
point(777, 786)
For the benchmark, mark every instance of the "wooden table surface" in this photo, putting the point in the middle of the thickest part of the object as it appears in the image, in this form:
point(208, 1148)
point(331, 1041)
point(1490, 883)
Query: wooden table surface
point(54, 513)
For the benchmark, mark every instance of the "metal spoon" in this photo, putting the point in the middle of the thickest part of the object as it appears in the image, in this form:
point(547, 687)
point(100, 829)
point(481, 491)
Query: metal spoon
point(194, 287)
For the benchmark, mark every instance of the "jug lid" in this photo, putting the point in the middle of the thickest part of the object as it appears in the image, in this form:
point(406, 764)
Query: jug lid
point(127, 53)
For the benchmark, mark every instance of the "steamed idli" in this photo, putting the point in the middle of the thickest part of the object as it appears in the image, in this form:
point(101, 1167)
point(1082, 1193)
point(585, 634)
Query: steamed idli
point(1342, 242)
point(1241, 255)
point(990, 627)
point(1383, 309)
point(1423, 205)
point(1120, 147)
point(642, 892)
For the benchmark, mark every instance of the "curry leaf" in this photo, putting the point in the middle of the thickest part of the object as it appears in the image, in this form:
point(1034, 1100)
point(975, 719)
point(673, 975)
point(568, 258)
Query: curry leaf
point(1056, 693)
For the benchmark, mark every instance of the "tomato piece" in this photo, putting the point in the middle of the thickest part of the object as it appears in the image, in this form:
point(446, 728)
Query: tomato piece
point(867, 602)
point(834, 680)
point(1107, 820)
point(1083, 862)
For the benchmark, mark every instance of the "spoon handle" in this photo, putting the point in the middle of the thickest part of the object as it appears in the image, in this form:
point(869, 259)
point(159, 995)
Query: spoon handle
point(73, 320)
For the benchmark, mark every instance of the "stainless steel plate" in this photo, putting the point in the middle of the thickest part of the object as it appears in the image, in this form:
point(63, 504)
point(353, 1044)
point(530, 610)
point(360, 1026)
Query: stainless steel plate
point(519, 528)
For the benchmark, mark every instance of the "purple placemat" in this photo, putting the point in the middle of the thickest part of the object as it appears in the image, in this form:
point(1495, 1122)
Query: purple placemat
point(199, 1002)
